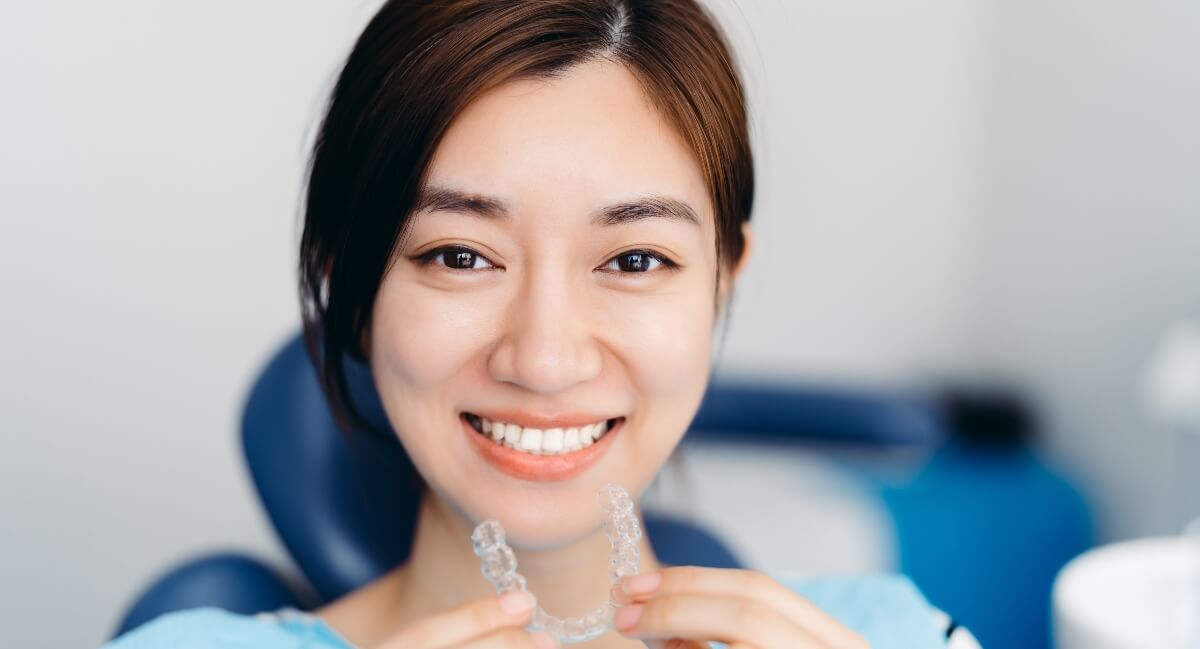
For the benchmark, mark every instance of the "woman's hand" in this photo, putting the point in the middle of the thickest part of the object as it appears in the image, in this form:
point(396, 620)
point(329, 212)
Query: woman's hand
point(686, 606)
point(492, 623)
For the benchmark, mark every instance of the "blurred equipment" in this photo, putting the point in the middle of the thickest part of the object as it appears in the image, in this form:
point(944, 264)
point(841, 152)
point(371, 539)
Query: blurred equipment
point(1171, 394)
point(986, 524)
point(1172, 379)
point(1141, 593)
point(1146, 592)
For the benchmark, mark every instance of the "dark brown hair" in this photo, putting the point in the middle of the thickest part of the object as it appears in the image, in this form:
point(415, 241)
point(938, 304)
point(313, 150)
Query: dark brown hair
point(419, 63)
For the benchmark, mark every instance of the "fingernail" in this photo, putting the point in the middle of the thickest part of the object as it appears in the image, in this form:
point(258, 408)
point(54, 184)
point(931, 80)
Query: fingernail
point(617, 594)
point(544, 641)
point(641, 584)
point(516, 603)
point(627, 616)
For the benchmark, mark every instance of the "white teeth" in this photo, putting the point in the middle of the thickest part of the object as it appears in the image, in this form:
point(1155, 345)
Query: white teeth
point(512, 434)
point(531, 439)
point(571, 439)
point(553, 441)
point(592, 430)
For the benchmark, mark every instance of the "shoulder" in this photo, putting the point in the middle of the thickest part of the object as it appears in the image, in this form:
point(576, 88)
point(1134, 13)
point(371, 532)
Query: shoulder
point(887, 609)
point(214, 628)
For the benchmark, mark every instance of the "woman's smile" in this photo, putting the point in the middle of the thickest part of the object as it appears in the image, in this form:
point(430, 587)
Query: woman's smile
point(546, 436)
point(540, 455)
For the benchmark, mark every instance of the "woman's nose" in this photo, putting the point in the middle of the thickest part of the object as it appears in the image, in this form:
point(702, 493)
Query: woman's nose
point(548, 344)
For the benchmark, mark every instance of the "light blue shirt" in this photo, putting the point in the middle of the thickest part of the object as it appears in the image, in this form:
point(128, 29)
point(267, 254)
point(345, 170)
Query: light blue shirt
point(885, 609)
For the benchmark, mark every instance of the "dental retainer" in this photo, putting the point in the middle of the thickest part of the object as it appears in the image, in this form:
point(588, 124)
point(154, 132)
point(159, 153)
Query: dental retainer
point(622, 529)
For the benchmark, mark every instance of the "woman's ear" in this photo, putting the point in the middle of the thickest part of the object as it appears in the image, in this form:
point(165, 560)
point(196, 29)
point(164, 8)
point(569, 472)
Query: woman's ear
point(728, 279)
point(747, 246)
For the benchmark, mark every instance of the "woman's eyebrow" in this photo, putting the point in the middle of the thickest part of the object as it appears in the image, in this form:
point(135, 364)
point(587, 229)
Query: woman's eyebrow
point(646, 208)
point(435, 198)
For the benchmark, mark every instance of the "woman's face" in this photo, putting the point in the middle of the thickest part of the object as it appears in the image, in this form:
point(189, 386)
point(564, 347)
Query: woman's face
point(538, 314)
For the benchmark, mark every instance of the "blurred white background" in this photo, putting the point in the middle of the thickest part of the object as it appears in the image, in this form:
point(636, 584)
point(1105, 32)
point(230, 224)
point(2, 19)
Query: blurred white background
point(1003, 188)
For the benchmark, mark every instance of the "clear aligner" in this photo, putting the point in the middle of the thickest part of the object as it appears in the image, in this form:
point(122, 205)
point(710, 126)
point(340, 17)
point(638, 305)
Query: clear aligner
point(623, 531)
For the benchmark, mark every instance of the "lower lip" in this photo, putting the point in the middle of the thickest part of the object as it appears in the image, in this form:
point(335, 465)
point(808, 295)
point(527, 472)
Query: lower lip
point(540, 468)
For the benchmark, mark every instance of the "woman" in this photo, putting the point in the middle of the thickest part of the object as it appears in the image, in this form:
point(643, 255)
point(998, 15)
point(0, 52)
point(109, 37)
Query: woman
point(527, 217)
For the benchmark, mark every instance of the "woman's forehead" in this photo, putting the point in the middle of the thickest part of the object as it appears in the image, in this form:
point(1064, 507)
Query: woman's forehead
point(576, 143)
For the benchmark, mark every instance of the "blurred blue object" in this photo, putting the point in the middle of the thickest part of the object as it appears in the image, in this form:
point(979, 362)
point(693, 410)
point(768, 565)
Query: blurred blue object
point(983, 531)
point(773, 412)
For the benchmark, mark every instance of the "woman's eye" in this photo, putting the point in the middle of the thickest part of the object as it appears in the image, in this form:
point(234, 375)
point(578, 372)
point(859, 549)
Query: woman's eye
point(466, 259)
point(455, 258)
point(638, 261)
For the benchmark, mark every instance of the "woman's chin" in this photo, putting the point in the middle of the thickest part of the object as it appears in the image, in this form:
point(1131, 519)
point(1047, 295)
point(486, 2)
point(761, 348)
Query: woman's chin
point(543, 528)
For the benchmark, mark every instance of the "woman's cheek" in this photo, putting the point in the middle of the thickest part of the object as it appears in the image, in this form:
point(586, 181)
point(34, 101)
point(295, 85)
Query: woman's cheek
point(421, 341)
point(663, 344)
point(663, 341)
point(423, 337)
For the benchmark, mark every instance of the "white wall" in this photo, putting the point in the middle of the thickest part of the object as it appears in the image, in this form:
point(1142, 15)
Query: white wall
point(150, 167)
point(149, 172)
point(1091, 231)
point(868, 136)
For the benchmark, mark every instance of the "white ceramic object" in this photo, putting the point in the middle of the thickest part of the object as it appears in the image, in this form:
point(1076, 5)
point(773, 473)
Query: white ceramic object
point(1130, 595)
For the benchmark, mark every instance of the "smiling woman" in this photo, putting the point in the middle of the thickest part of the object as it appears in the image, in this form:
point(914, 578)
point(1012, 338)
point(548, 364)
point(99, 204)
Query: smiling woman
point(542, 283)
point(425, 82)
point(526, 217)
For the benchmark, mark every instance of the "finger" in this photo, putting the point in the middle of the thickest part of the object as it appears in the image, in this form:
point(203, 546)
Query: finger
point(745, 583)
point(457, 626)
point(510, 639)
point(732, 620)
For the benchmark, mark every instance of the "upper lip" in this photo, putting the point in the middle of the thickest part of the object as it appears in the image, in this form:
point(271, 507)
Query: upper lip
point(541, 420)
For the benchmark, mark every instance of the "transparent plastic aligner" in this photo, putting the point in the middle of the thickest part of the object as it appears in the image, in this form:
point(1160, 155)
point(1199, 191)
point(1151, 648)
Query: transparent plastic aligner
point(623, 531)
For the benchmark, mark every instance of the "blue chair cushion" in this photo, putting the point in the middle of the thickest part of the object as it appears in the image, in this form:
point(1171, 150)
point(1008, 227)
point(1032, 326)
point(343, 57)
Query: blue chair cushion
point(231, 581)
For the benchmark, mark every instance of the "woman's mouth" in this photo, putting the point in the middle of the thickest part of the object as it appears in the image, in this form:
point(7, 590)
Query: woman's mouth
point(552, 441)
point(540, 455)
